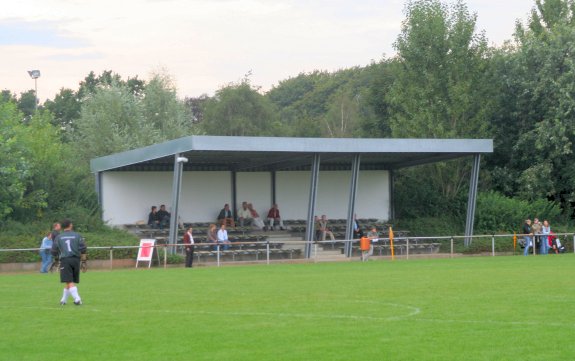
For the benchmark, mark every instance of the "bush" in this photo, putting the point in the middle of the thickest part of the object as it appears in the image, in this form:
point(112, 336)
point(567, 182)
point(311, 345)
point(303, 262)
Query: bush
point(497, 214)
point(430, 226)
point(32, 239)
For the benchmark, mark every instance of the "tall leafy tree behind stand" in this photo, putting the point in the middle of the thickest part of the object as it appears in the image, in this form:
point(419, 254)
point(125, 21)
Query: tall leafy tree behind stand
point(38, 173)
point(542, 73)
point(163, 110)
point(67, 104)
point(117, 118)
point(323, 104)
point(440, 90)
point(240, 110)
point(66, 108)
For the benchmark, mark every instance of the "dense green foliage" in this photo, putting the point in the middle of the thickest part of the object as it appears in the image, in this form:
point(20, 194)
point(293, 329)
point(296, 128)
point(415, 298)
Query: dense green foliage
point(441, 309)
point(444, 82)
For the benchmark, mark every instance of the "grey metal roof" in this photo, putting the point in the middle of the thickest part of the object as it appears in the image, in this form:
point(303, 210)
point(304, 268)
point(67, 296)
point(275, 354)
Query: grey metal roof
point(282, 153)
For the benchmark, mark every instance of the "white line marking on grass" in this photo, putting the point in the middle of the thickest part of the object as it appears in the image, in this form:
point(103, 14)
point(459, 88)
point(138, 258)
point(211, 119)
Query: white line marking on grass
point(412, 312)
point(494, 322)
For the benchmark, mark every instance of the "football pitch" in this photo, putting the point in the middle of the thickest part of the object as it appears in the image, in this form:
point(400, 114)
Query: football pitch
point(478, 308)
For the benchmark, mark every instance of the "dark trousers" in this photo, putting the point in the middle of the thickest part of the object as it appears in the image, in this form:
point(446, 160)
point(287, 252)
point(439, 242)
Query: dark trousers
point(189, 256)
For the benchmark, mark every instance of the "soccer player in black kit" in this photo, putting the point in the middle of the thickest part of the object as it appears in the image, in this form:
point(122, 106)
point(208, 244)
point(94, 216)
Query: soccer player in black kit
point(70, 248)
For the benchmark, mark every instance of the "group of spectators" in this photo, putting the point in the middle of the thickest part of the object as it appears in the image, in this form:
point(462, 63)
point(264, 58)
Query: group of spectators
point(159, 218)
point(539, 233)
point(248, 216)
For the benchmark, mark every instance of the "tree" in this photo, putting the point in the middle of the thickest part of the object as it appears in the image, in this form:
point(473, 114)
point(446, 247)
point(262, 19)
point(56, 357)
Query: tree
point(440, 89)
point(14, 168)
point(546, 71)
point(111, 121)
point(27, 103)
point(115, 119)
point(240, 110)
point(66, 109)
point(162, 109)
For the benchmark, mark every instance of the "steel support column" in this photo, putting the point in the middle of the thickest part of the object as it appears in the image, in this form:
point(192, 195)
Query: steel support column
point(273, 186)
point(348, 247)
point(176, 189)
point(391, 173)
point(98, 176)
point(310, 231)
point(234, 205)
point(472, 199)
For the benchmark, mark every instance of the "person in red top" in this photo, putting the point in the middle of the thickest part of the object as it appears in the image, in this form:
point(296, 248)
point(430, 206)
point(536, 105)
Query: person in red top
point(274, 216)
point(189, 247)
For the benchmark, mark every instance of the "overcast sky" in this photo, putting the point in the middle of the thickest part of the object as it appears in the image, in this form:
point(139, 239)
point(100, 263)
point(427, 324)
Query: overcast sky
point(206, 44)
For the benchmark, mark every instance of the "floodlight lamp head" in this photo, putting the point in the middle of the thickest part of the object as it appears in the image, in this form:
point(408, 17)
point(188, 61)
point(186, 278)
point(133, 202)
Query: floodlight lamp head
point(34, 74)
point(181, 159)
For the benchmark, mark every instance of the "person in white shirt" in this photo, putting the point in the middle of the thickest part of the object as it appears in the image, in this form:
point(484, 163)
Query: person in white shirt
point(223, 237)
point(189, 247)
point(244, 215)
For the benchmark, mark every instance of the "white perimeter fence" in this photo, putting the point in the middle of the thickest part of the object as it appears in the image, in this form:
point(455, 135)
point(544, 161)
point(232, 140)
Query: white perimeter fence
point(281, 251)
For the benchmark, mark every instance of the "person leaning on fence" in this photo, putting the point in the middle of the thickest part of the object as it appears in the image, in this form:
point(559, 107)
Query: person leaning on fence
point(69, 246)
point(46, 252)
point(373, 236)
point(528, 235)
point(545, 231)
point(536, 230)
point(188, 241)
point(364, 246)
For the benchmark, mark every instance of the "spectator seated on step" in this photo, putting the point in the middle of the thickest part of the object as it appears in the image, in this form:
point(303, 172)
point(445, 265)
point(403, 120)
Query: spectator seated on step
point(274, 217)
point(226, 217)
point(244, 215)
point(153, 219)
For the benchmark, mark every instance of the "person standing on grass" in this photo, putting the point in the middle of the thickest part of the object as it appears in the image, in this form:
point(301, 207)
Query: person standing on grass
point(56, 229)
point(45, 252)
point(545, 231)
point(69, 246)
point(536, 230)
point(189, 247)
point(528, 235)
point(373, 236)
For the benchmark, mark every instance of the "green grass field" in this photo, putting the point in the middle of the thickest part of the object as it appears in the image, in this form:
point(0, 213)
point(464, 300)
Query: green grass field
point(482, 308)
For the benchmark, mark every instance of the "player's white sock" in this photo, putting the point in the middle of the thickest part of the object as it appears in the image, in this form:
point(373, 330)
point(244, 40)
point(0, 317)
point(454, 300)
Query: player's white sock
point(74, 293)
point(65, 295)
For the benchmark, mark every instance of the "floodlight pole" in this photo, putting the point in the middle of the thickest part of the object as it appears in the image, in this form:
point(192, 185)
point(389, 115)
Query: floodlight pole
point(176, 190)
point(35, 74)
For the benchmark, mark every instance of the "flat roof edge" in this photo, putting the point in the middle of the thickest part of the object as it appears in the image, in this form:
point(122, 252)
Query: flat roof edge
point(291, 145)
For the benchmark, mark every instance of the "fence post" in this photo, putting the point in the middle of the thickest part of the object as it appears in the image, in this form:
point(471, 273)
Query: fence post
point(493, 245)
point(574, 243)
point(111, 257)
point(218, 253)
point(166, 255)
point(451, 253)
point(268, 251)
point(315, 251)
point(407, 248)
